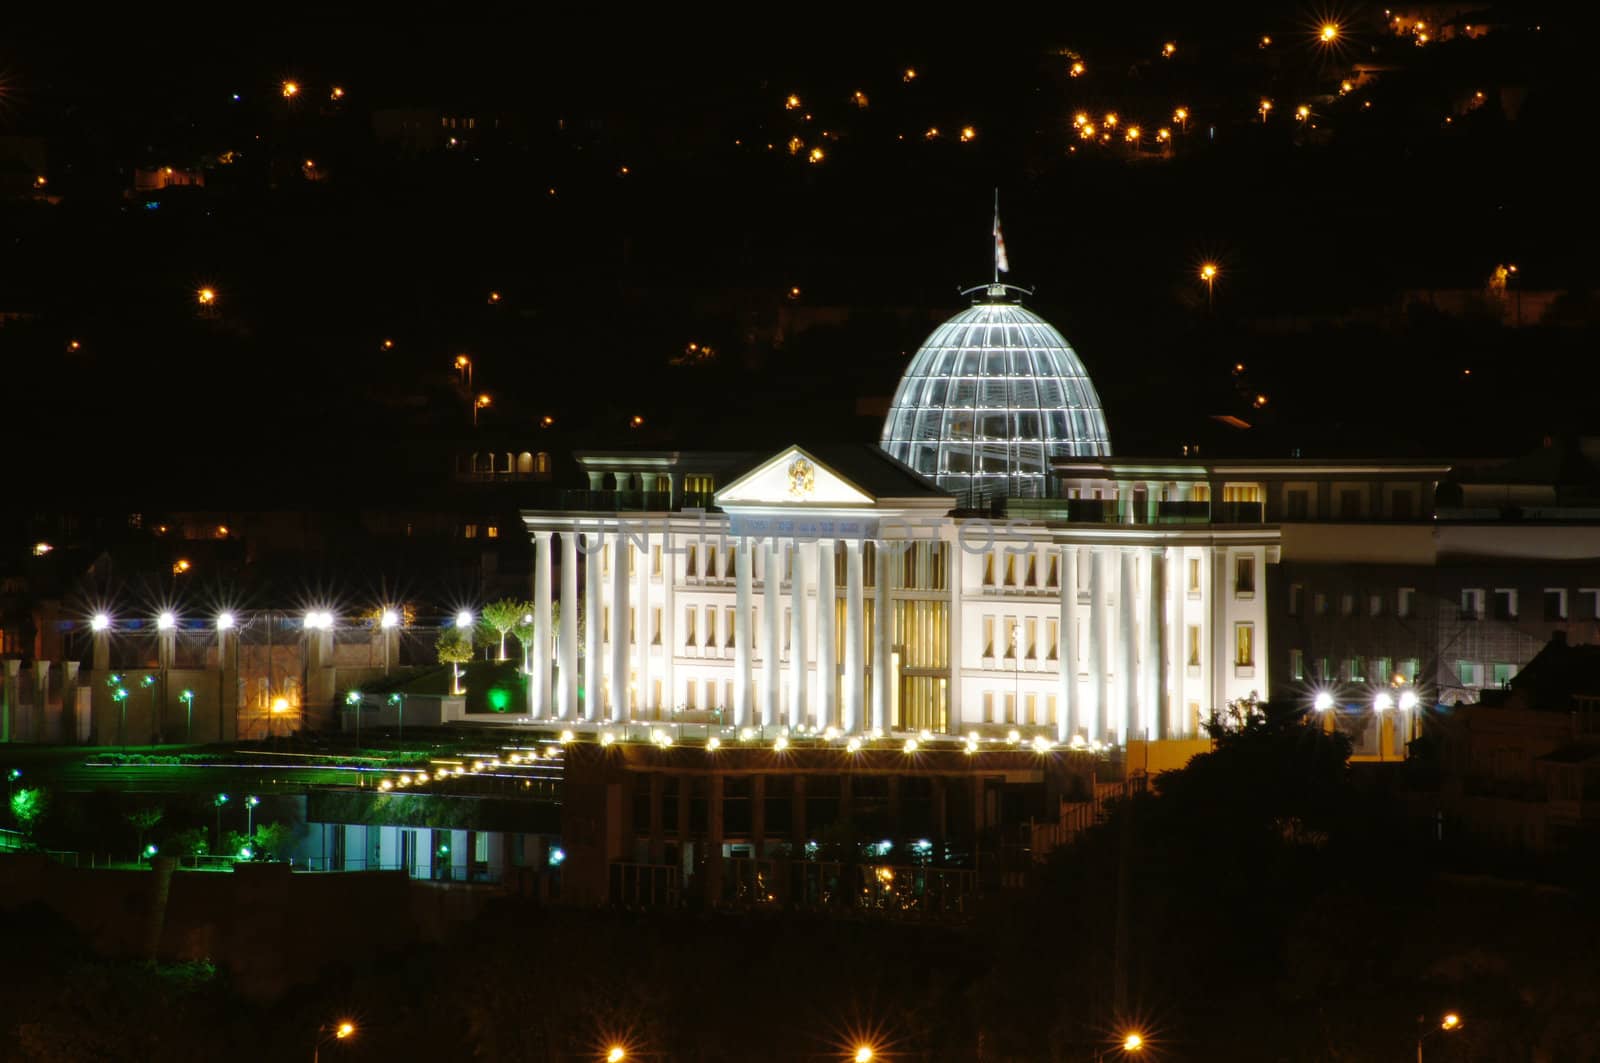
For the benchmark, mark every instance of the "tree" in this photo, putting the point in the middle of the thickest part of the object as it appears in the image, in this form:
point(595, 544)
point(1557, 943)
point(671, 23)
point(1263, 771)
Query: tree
point(455, 649)
point(270, 842)
point(144, 820)
point(502, 617)
point(191, 841)
point(28, 806)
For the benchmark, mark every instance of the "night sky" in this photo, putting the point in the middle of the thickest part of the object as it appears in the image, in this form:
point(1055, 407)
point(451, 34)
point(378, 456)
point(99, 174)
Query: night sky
point(1318, 232)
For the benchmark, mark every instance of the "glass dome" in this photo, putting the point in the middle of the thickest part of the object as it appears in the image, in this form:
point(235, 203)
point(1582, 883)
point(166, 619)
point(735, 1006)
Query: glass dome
point(990, 399)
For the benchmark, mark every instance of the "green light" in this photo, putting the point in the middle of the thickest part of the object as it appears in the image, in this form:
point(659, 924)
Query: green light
point(150, 850)
point(148, 681)
point(394, 699)
point(444, 850)
point(221, 800)
point(114, 680)
point(187, 695)
point(252, 800)
point(120, 694)
point(499, 699)
point(353, 698)
point(246, 853)
point(14, 774)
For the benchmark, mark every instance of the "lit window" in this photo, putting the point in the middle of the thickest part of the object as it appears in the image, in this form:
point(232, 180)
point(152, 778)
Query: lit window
point(492, 531)
point(1194, 576)
point(689, 563)
point(1297, 665)
point(1244, 645)
point(1032, 629)
point(1194, 645)
point(988, 636)
point(1052, 632)
point(688, 625)
point(470, 531)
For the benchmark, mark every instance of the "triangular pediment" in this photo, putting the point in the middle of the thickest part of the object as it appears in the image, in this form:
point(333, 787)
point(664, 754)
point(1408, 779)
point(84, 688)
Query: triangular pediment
point(792, 478)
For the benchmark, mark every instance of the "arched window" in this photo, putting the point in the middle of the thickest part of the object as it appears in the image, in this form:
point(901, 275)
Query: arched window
point(524, 463)
point(511, 465)
point(483, 463)
point(541, 463)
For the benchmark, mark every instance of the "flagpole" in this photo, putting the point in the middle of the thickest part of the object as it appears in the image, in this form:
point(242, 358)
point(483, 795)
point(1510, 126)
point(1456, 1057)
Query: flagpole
point(996, 235)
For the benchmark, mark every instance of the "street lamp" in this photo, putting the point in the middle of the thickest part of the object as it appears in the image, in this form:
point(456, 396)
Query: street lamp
point(479, 403)
point(864, 1054)
point(100, 622)
point(120, 696)
point(616, 1054)
point(149, 680)
point(335, 1032)
point(225, 621)
point(464, 619)
point(1132, 1044)
point(398, 700)
point(250, 804)
point(219, 801)
point(187, 697)
point(1323, 701)
point(1329, 32)
point(1450, 1023)
point(166, 621)
point(353, 699)
point(1208, 273)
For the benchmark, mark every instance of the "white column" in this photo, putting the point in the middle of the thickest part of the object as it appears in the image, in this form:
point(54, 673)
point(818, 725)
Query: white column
point(771, 628)
point(1067, 722)
point(1173, 660)
point(1100, 713)
point(797, 638)
point(594, 609)
point(1128, 644)
point(567, 642)
point(827, 651)
point(641, 632)
point(619, 629)
point(540, 679)
point(1153, 720)
point(669, 624)
point(882, 634)
point(741, 633)
point(854, 640)
point(1217, 627)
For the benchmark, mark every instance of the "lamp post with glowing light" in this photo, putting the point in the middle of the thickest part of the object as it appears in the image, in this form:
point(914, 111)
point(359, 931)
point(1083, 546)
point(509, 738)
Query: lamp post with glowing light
point(463, 367)
point(339, 1032)
point(1450, 1023)
point(1131, 1044)
point(864, 1054)
point(616, 1054)
point(479, 403)
point(1208, 273)
point(398, 700)
point(1181, 116)
point(187, 697)
point(219, 801)
point(388, 620)
point(250, 804)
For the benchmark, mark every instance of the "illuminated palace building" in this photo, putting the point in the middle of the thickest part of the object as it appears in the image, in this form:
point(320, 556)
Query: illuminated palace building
point(988, 567)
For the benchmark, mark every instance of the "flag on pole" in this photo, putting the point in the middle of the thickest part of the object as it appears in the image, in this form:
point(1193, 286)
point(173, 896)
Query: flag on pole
point(1000, 262)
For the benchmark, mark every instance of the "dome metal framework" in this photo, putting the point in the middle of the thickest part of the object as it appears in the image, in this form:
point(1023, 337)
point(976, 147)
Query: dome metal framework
point(989, 400)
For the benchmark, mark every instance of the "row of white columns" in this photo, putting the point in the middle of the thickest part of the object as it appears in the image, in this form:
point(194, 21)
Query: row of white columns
point(1143, 640)
point(1141, 709)
point(609, 682)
